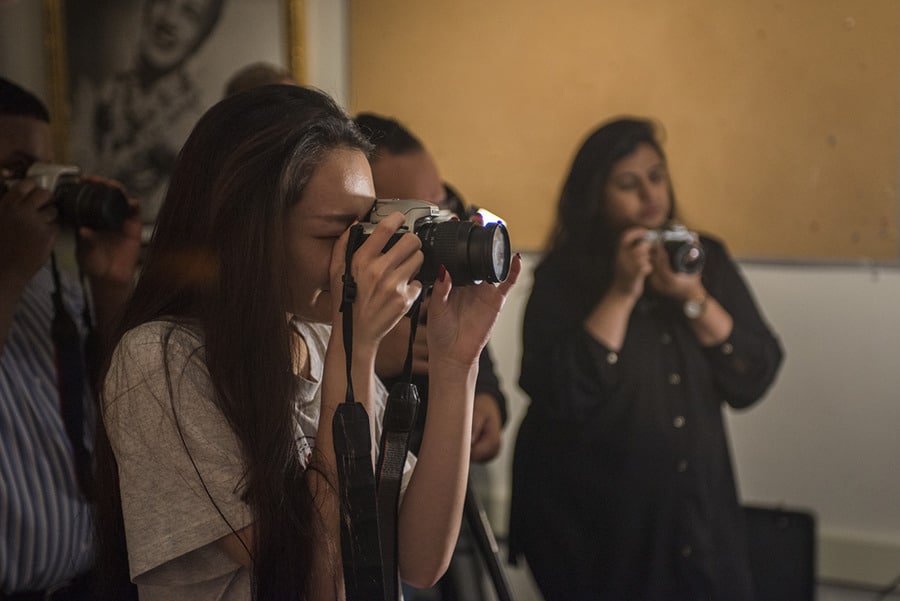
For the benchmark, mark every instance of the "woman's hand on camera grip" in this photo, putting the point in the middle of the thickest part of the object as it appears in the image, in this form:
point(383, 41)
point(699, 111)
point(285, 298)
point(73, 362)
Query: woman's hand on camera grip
point(385, 288)
point(460, 319)
point(633, 263)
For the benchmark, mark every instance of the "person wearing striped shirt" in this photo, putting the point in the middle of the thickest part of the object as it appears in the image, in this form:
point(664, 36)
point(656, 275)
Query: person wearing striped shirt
point(46, 526)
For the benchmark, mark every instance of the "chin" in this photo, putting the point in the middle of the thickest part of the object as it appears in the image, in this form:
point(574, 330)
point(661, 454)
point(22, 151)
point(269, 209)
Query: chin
point(319, 311)
point(313, 316)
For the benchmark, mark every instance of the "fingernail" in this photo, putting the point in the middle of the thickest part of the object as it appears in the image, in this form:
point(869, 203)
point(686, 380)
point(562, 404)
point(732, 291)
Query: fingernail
point(442, 273)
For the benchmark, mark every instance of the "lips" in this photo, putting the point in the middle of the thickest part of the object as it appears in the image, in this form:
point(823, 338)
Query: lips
point(650, 213)
point(164, 36)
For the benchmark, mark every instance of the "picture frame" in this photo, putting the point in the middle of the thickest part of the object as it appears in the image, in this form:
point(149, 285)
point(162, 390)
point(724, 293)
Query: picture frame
point(128, 79)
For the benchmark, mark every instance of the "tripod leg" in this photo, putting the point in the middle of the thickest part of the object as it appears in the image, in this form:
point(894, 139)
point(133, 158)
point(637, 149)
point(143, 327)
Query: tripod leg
point(477, 519)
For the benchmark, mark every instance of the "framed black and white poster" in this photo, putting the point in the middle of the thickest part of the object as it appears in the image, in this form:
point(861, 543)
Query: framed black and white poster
point(133, 76)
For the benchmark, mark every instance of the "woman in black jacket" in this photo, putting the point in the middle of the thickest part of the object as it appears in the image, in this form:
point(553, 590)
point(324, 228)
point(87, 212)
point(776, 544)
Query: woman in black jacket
point(623, 487)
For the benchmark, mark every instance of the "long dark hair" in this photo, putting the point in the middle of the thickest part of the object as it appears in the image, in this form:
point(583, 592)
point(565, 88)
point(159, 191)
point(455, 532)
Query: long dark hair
point(218, 260)
point(582, 238)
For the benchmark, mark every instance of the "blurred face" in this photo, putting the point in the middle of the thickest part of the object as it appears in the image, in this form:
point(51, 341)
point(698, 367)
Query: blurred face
point(411, 175)
point(171, 31)
point(23, 141)
point(637, 191)
point(339, 192)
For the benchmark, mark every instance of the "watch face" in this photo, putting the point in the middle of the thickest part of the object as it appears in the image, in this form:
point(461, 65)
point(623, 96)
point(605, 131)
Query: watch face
point(694, 308)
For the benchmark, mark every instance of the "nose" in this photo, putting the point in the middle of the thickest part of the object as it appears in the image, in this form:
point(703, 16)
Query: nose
point(646, 190)
point(167, 13)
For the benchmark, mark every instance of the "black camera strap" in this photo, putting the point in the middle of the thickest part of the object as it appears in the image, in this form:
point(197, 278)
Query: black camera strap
point(360, 544)
point(369, 500)
point(70, 376)
point(399, 420)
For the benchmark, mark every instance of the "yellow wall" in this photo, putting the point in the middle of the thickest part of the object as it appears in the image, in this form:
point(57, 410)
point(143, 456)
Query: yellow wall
point(782, 118)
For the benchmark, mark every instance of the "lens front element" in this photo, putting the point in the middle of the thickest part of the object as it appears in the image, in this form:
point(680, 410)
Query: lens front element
point(471, 253)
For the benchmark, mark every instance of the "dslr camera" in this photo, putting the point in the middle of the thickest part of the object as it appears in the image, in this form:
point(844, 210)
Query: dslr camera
point(79, 202)
point(472, 253)
point(685, 252)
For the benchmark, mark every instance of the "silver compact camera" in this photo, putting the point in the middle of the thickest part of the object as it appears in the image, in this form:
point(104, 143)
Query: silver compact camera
point(79, 202)
point(471, 252)
point(686, 254)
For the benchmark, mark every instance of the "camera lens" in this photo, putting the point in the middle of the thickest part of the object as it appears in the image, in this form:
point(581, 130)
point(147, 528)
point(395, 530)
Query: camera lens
point(471, 253)
point(685, 257)
point(90, 204)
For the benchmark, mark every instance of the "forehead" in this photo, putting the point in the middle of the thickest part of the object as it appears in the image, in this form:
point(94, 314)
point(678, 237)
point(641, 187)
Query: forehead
point(644, 157)
point(24, 137)
point(340, 186)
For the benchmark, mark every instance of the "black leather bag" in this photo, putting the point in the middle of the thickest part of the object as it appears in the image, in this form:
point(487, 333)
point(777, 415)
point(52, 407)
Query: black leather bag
point(782, 548)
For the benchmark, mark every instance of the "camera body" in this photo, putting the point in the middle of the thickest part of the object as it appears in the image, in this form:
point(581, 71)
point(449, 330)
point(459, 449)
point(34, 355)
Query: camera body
point(79, 202)
point(686, 254)
point(471, 252)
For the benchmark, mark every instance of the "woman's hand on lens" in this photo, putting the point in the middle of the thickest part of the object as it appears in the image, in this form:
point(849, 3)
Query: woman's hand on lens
point(674, 284)
point(460, 319)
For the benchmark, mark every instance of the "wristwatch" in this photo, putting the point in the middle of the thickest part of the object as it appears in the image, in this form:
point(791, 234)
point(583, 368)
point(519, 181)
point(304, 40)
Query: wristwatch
point(694, 307)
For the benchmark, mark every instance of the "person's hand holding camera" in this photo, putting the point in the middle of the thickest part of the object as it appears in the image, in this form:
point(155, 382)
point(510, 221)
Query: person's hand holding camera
point(711, 323)
point(633, 263)
point(107, 223)
point(385, 284)
point(668, 282)
point(28, 231)
point(460, 318)
point(109, 256)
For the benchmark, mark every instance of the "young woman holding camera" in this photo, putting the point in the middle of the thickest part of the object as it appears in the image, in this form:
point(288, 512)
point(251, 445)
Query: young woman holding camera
point(220, 394)
point(623, 457)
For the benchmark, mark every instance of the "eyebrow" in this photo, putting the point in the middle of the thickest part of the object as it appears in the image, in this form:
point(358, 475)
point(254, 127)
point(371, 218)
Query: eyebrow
point(637, 173)
point(337, 219)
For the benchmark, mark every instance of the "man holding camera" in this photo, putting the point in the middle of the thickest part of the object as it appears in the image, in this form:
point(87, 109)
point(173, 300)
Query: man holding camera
point(46, 408)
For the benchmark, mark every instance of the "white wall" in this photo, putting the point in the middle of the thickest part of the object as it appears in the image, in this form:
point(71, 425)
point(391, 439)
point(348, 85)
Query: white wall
point(825, 437)
point(326, 47)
